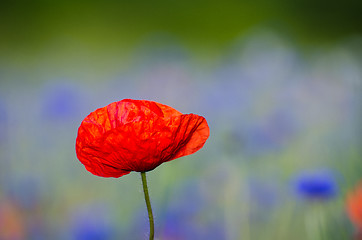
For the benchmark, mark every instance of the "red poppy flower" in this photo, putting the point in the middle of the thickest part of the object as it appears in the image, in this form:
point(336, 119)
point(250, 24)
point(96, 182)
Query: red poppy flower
point(137, 135)
point(354, 206)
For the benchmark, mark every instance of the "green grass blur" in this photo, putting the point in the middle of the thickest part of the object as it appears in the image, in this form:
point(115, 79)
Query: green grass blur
point(93, 34)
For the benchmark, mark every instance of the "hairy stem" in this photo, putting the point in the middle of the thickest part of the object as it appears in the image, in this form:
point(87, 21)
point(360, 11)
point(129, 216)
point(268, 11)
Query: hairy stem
point(148, 204)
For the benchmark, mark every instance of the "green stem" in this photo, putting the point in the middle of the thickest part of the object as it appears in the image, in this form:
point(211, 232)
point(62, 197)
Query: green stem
point(148, 203)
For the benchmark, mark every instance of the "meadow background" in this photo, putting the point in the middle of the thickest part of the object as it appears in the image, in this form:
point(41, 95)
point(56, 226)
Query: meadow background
point(279, 83)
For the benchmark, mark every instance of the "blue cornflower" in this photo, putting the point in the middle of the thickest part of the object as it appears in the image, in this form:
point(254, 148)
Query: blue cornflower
point(316, 185)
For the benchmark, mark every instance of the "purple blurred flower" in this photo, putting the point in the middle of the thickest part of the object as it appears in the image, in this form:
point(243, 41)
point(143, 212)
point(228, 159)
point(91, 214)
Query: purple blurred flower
point(227, 97)
point(269, 134)
point(3, 115)
point(185, 217)
point(91, 223)
point(316, 185)
point(177, 227)
point(62, 101)
point(265, 199)
point(272, 133)
point(3, 120)
point(139, 226)
point(264, 194)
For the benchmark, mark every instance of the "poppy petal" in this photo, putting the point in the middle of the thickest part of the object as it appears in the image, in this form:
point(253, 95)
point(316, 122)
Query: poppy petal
point(137, 135)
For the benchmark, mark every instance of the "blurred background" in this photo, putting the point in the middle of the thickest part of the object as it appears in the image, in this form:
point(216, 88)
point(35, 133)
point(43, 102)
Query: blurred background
point(278, 82)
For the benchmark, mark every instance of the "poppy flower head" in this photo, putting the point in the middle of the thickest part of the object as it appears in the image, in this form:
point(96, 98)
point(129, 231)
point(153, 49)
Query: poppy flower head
point(354, 206)
point(137, 135)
